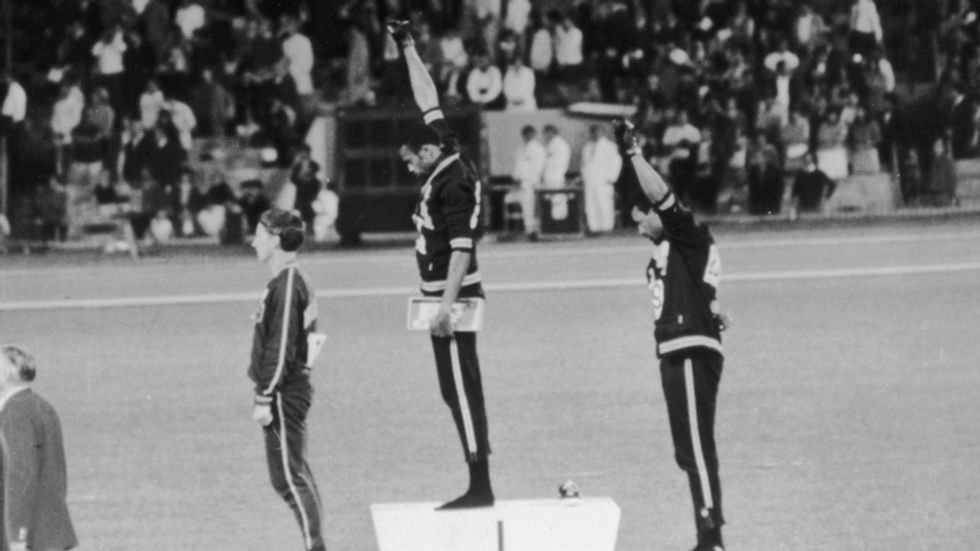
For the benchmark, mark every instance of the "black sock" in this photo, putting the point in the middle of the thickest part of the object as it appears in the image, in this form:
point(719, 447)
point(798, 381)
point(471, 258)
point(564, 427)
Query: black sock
point(712, 537)
point(479, 477)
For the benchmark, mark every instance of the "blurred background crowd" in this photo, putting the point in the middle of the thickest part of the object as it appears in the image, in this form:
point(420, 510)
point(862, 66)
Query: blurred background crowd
point(741, 103)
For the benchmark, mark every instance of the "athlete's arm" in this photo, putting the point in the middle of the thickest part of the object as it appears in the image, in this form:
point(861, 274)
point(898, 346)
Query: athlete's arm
point(650, 180)
point(459, 262)
point(283, 322)
point(423, 88)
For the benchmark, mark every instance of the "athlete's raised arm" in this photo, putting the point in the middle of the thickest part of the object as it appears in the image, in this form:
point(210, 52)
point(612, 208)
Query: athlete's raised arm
point(423, 88)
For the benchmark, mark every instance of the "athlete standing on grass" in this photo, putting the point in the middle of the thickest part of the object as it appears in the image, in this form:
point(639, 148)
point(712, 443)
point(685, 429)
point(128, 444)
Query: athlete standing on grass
point(683, 275)
point(447, 217)
point(280, 368)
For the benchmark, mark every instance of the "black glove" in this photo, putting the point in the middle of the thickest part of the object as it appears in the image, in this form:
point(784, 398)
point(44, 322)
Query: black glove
point(625, 134)
point(401, 31)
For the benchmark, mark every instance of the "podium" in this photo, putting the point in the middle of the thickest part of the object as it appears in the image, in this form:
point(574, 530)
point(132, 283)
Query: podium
point(572, 524)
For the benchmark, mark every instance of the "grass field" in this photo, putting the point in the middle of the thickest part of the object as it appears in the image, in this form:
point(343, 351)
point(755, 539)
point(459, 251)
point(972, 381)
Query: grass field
point(847, 416)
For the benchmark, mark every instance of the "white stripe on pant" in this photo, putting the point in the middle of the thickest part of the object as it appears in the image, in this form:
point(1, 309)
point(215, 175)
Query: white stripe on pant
point(307, 539)
point(692, 419)
point(464, 403)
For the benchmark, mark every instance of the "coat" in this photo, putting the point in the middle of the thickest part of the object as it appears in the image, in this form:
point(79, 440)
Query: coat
point(34, 481)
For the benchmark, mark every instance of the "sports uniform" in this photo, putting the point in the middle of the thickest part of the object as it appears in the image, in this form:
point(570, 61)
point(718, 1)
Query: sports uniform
point(683, 274)
point(286, 317)
point(447, 216)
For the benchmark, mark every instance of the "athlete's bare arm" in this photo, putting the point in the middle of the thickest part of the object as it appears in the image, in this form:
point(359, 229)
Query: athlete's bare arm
point(650, 180)
point(423, 88)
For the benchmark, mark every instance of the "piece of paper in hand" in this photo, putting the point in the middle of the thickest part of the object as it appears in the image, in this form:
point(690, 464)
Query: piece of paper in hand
point(314, 343)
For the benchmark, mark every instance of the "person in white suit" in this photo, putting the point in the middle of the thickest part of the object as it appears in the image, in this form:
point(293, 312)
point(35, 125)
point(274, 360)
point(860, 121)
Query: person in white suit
point(600, 166)
point(557, 161)
point(528, 170)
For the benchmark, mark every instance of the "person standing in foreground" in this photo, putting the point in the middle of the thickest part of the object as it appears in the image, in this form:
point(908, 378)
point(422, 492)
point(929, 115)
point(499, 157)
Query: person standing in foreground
point(282, 356)
point(35, 477)
point(447, 217)
point(683, 275)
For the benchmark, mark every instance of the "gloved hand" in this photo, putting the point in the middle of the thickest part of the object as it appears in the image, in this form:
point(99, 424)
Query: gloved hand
point(625, 133)
point(401, 31)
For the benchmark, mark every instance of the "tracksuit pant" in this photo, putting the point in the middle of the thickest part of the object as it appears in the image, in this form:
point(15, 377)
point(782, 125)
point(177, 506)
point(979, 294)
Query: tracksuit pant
point(462, 390)
point(690, 381)
point(285, 452)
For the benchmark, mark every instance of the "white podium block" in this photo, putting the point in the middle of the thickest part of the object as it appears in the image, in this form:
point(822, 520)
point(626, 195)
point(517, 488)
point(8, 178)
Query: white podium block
point(573, 524)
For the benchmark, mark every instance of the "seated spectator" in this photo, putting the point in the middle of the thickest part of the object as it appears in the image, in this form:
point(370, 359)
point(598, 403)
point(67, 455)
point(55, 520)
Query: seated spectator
point(831, 146)
point(679, 141)
point(281, 132)
point(783, 55)
point(519, 87)
point(184, 121)
point(104, 117)
point(865, 25)
point(214, 214)
point(455, 60)
point(484, 83)
point(810, 29)
point(253, 203)
point(151, 103)
point(108, 52)
point(298, 57)
point(862, 140)
point(811, 187)
point(541, 54)
point(795, 139)
point(189, 18)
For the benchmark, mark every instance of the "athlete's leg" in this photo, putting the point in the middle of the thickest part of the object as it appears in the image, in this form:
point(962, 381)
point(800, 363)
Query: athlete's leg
point(285, 440)
point(690, 384)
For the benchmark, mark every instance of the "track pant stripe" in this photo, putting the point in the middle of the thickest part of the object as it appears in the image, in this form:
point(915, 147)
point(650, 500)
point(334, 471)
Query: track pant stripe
point(692, 419)
point(304, 520)
point(464, 402)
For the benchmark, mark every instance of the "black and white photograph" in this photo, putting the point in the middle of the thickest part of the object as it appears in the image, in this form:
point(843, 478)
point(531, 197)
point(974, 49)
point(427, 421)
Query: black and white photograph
point(489, 275)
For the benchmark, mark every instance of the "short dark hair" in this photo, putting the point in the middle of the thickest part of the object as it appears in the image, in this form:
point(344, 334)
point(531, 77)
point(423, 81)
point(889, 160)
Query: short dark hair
point(419, 135)
point(287, 225)
point(22, 360)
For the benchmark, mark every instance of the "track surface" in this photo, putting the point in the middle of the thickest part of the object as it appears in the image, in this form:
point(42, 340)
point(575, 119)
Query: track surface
point(847, 413)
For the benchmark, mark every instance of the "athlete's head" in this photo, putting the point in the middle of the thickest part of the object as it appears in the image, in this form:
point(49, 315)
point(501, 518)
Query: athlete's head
point(648, 222)
point(278, 230)
point(16, 365)
point(421, 149)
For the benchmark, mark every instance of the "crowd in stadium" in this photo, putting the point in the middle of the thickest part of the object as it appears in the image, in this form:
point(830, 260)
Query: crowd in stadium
point(107, 100)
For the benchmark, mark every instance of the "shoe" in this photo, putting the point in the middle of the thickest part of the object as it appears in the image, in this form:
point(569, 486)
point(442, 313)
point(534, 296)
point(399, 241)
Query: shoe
point(401, 31)
point(625, 134)
point(708, 547)
point(468, 501)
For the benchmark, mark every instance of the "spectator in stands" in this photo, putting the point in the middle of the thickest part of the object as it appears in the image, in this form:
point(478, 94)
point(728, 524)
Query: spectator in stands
point(679, 142)
point(795, 141)
point(104, 118)
point(711, 156)
point(963, 123)
point(484, 84)
point(811, 187)
point(831, 146)
point(519, 83)
point(455, 60)
point(297, 52)
point(66, 116)
point(189, 18)
point(541, 55)
point(810, 29)
point(765, 176)
point(529, 164)
point(139, 64)
point(327, 207)
point(358, 66)
point(281, 132)
point(253, 203)
point(50, 210)
point(569, 56)
point(600, 165)
point(259, 71)
point(785, 88)
point(160, 151)
point(213, 106)
point(783, 54)
point(151, 102)
point(88, 152)
point(942, 176)
point(305, 176)
point(184, 122)
point(108, 52)
point(155, 20)
point(862, 140)
point(558, 157)
point(865, 27)
point(517, 19)
point(219, 199)
point(187, 199)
